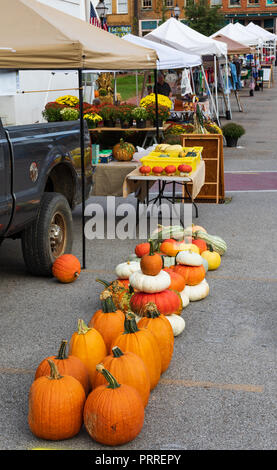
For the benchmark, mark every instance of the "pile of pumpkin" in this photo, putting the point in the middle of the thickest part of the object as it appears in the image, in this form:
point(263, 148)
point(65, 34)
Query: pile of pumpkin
point(115, 361)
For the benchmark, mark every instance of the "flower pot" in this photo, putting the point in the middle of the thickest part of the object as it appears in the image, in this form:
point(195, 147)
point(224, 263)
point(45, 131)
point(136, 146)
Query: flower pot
point(231, 141)
point(92, 125)
point(109, 123)
point(126, 124)
point(160, 123)
point(141, 123)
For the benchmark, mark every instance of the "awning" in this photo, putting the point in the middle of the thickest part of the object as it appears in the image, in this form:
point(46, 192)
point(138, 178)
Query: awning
point(36, 36)
point(180, 36)
point(233, 47)
point(169, 58)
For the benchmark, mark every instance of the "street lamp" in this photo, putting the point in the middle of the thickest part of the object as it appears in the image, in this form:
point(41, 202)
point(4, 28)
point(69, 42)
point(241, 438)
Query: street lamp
point(177, 12)
point(101, 10)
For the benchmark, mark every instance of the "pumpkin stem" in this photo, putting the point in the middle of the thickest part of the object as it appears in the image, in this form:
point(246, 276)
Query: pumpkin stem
point(105, 283)
point(62, 351)
point(108, 376)
point(210, 247)
point(150, 310)
point(117, 351)
point(54, 373)
point(151, 252)
point(107, 302)
point(82, 327)
point(130, 324)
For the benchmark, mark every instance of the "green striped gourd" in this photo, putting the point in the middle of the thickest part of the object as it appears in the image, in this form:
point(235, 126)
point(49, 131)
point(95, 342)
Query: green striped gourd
point(171, 231)
point(218, 244)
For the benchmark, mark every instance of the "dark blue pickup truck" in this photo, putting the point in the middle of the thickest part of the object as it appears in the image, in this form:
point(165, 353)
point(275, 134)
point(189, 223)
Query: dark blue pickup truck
point(40, 183)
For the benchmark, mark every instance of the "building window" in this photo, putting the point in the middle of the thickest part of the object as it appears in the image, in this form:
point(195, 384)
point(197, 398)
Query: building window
point(122, 6)
point(270, 3)
point(234, 3)
point(109, 5)
point(169, 3)
point(216, 3)
point(251, 3)
point(146, 4)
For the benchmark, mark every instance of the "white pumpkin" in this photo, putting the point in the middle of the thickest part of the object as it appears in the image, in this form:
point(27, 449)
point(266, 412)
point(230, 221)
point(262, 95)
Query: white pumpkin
point(205, 264)
point(150, 284)
point(198, 292)
point(124, 270)
point(177, 322)
point(189, 258)
point(184, 297)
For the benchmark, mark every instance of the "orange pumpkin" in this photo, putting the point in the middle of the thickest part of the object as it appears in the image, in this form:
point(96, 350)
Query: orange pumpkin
point(177, 281)
point(56, 406)
point(109, 321)
point(192, 275)
point(96, 93)
point(67, 365)
point(66, 268)
point(88, 345)
point(113, 413)
point(142, 249)
point(202, 245)
point(143, 343)
point(129, 369)
point(152, 263)
point(168, 301)
point(169, 248)
point(161, 329)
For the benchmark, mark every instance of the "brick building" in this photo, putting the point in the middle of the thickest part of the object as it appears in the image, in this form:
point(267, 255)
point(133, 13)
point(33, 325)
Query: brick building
point(142, 16)
point(139, 16)
point(260, 12)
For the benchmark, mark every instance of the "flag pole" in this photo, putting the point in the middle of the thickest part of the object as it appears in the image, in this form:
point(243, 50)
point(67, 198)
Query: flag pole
point(82, 150)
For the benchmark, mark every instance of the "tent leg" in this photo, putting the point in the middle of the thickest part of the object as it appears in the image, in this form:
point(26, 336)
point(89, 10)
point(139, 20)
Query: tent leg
point(82, 148)
point(215, 84)
point(211, 96)
point(157, 108)
point(192, 81)
point(137, 87)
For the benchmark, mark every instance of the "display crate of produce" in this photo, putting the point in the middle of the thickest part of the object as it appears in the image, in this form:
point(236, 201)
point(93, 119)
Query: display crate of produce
point(192, 157)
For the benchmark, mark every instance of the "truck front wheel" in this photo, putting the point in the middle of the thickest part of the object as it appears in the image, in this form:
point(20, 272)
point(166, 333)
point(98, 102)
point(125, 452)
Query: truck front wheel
point(49, 236)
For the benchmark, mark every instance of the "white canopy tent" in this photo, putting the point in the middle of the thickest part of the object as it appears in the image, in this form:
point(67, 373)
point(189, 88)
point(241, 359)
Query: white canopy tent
point(268, 38)
point(168, 58)
point(240, 33)
point(183, 38)
point(266, 35)
point(180, 36)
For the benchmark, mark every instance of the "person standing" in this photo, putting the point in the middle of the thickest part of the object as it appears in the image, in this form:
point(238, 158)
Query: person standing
point(162, 87)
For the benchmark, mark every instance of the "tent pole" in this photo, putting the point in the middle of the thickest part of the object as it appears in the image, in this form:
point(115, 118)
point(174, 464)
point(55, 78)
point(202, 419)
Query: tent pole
point(211, 96)
point(82, 149)
point(137, 87)
point(156, 103)
point(215, 84)
point(192, 81)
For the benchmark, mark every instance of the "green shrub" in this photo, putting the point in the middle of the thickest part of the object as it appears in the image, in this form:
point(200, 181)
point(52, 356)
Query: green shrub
point(233, 130)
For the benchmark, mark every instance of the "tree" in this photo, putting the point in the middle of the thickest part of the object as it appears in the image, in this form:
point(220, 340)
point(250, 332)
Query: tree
point(204, 18)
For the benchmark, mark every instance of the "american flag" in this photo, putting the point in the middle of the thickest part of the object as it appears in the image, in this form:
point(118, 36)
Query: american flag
point(93, 19)
point(105, 26)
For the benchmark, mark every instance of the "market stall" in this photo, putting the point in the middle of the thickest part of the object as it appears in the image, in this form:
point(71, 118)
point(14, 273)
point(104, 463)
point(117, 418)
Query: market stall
point(45, 38)
point(183, 38)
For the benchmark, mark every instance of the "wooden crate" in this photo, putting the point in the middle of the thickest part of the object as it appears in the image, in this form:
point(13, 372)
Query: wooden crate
point(213, 189)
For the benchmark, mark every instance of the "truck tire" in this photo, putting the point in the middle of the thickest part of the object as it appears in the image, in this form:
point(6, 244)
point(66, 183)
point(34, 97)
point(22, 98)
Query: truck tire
point(49, 236)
